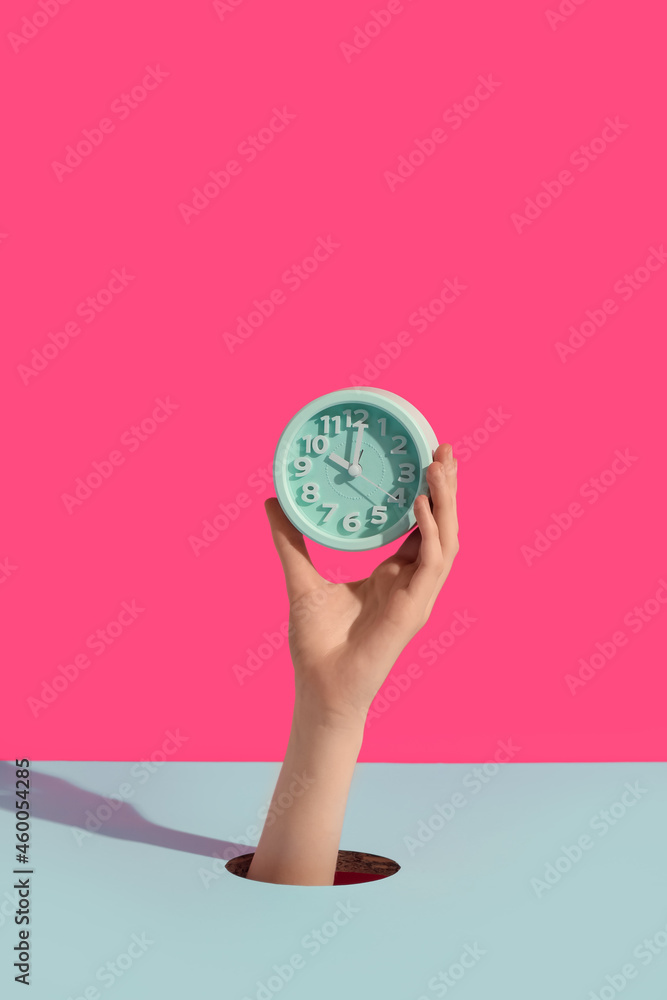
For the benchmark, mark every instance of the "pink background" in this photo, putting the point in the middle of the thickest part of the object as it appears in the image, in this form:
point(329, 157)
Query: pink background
point(161, 337)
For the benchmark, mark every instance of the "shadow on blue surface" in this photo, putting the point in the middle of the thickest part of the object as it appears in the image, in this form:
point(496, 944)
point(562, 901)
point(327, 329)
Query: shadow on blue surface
point(62, 802)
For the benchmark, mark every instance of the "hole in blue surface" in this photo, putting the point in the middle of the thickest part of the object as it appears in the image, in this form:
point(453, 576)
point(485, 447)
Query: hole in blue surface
point(352, 867)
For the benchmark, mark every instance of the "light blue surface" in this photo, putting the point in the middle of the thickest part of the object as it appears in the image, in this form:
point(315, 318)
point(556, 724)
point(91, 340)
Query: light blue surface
point(217, 935)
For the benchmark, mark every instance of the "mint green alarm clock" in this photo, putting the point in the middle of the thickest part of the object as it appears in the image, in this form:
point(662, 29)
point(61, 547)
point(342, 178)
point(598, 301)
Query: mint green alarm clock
point(349, 465)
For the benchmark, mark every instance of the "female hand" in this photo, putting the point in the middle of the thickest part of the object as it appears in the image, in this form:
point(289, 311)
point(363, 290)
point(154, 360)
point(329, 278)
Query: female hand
point(345, 637)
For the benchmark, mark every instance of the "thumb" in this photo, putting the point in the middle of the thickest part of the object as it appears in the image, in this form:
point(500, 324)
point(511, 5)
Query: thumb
point(300, 574)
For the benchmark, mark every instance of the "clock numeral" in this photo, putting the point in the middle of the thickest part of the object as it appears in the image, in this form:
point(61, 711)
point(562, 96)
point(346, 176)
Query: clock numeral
point(379, 515)
point(400, 448)
point(383, 426)
point(407, 473)
point(310, 492)
point(357, 423)
point(351, 521)
point(302, 466)
point(318, 444)
point(326, 420)
point(399, 496)
point(332, 507)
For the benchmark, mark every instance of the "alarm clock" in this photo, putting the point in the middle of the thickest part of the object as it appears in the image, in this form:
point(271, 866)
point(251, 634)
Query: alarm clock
point(349, 466)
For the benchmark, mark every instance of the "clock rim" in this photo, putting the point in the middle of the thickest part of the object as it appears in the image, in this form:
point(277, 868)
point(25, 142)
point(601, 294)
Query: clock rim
point(423, 437)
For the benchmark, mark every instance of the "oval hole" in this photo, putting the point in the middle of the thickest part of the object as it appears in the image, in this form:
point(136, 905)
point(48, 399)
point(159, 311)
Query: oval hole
point(351, 867)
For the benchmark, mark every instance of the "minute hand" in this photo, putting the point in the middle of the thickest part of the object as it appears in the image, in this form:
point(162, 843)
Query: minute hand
point(357, 450)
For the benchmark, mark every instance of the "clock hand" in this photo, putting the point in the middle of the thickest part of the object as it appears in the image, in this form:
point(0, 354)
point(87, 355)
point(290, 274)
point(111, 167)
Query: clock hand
point(379, 488)
point(355, 468)
point(346, 465)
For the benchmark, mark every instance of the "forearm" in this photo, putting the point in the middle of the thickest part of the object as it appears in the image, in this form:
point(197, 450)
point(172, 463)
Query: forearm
point(301, 836)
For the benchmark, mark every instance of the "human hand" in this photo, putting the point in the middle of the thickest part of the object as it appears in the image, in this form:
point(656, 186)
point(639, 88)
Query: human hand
point(345, 637)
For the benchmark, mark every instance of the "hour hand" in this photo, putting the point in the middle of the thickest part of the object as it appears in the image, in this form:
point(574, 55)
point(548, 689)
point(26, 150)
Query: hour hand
point(339, 461)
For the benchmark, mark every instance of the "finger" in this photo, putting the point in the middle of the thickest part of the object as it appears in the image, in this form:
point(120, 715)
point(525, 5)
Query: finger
point(441, 477)
point(408, 550)
point(431, 563)
point(300, 574)
point(443, 453)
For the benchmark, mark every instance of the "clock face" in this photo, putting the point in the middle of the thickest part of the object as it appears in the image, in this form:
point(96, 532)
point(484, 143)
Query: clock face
point(349, 466)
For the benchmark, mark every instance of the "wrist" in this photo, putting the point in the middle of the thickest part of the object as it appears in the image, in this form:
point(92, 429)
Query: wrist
point(313, 712)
